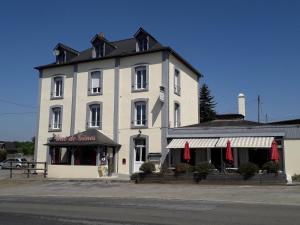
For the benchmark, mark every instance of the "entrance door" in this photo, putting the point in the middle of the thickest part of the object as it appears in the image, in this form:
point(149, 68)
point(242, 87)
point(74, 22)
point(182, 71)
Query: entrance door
point(139, 153)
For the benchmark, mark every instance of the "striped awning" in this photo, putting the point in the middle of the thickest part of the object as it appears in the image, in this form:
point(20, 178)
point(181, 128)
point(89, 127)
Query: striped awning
point(193, 142)
point(246, 142)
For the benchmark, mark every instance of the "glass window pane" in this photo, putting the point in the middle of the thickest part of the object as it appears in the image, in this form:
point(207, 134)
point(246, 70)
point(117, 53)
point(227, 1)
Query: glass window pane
point(143, 153)
point(137, 154)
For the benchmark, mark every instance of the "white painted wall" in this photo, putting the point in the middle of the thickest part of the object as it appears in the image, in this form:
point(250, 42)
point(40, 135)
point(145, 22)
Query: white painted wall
point(45, 104)
point(75, 172)
point(292, 156)
point(154, 108)
point(188, 101)
point(189, 93)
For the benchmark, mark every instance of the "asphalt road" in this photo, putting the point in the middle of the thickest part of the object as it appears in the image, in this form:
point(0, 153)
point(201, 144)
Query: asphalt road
point(109, 211)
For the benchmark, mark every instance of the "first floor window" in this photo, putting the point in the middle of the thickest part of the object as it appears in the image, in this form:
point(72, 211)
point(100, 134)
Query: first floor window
point(95, 82)
point(140, 118)
point(177, 82)
point(140, 149)
point(140, 78)
point(94, 120)
point(177, 115)
point(57, 88)
point(56, 118)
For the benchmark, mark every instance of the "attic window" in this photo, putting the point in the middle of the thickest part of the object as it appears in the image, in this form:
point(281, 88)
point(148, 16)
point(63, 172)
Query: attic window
point(99, 50)
point(61, 56)
point(142, 44)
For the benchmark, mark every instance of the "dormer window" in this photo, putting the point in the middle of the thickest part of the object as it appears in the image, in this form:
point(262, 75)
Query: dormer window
point(61, 56)
point(64, 53)
point(99, 50)
point(142, 44)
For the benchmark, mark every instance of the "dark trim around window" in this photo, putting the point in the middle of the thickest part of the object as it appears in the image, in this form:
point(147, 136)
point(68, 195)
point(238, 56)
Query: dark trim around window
point(132, 122)
point(177, 89)
point(50, 128)
point(52, 97)
point(89, 88)
point(133, 72)
point(179, 117)
point(87, 120)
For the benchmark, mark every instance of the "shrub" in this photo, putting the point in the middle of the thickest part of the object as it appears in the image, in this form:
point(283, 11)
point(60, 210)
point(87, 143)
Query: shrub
point(271, 167)
point(296, 177)
point(204, 168)
point(147, 167)
point(183, 168)
point(133, 176)
point(248, 170)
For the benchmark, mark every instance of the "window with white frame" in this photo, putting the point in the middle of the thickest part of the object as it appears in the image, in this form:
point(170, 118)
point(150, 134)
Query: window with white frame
point(57, 87)
point(140, 81)
point(95, 82)
point(177, 88)
point(94, 115)
point(176, 115)
point(56, 118)
point(140, 149)
point(140, 114)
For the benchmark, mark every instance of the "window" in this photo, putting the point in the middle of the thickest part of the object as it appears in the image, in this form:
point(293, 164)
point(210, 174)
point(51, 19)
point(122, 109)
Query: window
point(140, 78)
point(140, 114)
point(95, 82)
point(61, 57)
point(94, 120)
point(143, 44)
point(176, 115)
point(177, 88)
point(57, 87)
point(140, 149)
point(140, 82)
point(99, 50)
point(56, 118)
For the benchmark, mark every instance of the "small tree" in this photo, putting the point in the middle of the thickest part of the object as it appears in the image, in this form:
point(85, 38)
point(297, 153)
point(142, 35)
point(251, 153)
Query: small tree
point(207, 105)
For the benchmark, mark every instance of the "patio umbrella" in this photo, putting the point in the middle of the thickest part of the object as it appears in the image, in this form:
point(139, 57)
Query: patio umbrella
point(229, 156)
point(274, 156)
point(186, 155)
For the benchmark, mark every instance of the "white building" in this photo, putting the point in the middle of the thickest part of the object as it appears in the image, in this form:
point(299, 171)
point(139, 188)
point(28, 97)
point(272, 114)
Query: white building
point(112, 102)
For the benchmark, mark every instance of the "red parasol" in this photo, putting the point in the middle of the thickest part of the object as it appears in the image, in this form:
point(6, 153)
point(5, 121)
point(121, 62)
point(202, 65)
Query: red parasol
point(274, 156)
point(229, 156)
point(186, 155)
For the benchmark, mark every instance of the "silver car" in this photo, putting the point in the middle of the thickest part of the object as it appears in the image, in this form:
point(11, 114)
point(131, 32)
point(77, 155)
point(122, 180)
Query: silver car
point(15, 163)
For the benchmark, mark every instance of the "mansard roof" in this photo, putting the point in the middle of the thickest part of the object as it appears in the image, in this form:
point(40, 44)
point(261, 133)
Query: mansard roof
point(122, 48)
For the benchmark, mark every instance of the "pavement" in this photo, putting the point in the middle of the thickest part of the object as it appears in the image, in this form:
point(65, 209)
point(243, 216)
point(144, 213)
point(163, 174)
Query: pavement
point(105, 202)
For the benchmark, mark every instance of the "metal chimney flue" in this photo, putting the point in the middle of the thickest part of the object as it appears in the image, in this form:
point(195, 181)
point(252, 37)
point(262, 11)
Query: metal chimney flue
point(242, 104)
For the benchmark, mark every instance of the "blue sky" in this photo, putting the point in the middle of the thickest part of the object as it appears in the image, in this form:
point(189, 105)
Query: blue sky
point(240, 46)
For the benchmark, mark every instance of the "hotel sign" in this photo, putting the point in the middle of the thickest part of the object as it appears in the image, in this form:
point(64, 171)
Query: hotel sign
point(79, 138)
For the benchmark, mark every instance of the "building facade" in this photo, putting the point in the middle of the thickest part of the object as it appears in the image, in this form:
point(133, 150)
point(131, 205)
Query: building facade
point(112, 104)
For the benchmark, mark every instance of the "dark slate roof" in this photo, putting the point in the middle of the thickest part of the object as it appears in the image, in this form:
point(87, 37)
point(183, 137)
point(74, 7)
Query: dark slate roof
point(90, 137)
point(123, 48)
point(286, 122)
point(227, 123)
point(66, 48)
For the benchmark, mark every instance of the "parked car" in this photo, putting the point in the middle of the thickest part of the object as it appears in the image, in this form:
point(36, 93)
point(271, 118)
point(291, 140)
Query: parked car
point(15, 163)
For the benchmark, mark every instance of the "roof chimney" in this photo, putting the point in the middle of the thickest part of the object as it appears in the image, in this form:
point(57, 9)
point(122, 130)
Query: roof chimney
point(241, 104)
point(101, 34)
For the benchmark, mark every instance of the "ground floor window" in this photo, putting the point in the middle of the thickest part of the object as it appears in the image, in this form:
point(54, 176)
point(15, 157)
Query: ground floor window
point(60, 156)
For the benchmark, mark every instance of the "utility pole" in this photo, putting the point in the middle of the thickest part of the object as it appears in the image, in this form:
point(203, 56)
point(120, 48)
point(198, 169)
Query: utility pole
point(266, 118)
point(258, 108)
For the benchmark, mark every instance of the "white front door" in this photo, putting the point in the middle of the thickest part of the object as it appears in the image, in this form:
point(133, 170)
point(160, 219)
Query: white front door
point(139, 154)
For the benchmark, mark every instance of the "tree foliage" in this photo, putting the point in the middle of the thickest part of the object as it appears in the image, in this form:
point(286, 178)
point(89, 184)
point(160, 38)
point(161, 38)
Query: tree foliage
point(207, 104)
